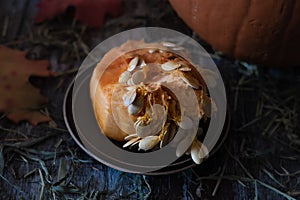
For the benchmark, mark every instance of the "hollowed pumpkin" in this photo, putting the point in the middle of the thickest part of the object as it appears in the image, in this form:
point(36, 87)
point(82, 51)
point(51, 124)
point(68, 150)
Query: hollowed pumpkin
point(260, 31)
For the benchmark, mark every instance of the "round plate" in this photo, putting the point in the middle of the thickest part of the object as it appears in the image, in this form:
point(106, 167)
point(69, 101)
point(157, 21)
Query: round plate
point(182, 163)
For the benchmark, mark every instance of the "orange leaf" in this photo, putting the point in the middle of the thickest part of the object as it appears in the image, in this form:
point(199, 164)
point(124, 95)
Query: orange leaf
point(89, 12)
point(19, 98)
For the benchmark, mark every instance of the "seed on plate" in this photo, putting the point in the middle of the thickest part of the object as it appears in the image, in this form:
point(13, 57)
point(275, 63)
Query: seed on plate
point(195, 153)
point(124, 77)
point(133, 63)
point(152, 51)
point(198, 152)
point(129, 97)
point(190, 80)
point(185, 123)
point(138, 77)
point(170, 65)
point(178, 48)
point(185, 69)
point(161, 51)
point(130, 142)
point(130, 136)
point(168, 44)
point(149, 142)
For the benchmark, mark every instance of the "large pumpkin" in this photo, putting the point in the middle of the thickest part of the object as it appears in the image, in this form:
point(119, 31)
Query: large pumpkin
point(260, 31)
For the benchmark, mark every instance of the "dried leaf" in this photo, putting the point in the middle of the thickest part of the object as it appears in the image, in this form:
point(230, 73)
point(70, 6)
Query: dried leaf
point(89, 12)
point(18, 97)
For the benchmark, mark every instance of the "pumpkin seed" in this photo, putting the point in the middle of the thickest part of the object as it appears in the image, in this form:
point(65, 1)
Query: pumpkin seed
point(133, 63)
point(170, 65)
point(177, 48)
point(168, 44)
point(135, 143)
point(161, 51)
point(136, 107)
point(185, 123)
point(198, 152)
point(151, 51)
point(195, 153)
point(185, 69)
point(149, 142)
point(131, 136)
point(124, 77)
point(129, 97)
point(190, 80)
point(138, 77)
point(130, 142)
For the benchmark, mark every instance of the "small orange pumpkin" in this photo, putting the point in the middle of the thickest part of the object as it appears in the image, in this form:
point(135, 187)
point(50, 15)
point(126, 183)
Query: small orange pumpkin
point(260, 31)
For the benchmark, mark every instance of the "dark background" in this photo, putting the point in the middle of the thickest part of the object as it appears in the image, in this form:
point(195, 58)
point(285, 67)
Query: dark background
point(259, 160)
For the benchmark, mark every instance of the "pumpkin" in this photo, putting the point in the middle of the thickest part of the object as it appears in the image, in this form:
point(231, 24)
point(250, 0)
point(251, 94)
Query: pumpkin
point(262, 32)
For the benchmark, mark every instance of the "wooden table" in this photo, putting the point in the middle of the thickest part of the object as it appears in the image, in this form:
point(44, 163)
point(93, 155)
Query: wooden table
point(256, 162)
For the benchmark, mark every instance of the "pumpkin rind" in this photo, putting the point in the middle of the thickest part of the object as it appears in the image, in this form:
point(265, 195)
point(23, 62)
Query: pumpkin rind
point(263, 32)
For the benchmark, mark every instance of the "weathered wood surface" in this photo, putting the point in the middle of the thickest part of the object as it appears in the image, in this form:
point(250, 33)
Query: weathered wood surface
point(246, 152)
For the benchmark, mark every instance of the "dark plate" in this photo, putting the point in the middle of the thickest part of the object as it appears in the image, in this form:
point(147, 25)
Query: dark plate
point(182, 163)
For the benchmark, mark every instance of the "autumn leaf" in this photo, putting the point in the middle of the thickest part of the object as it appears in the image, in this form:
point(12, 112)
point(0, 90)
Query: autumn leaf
point(18, 98)
point(89, 12)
